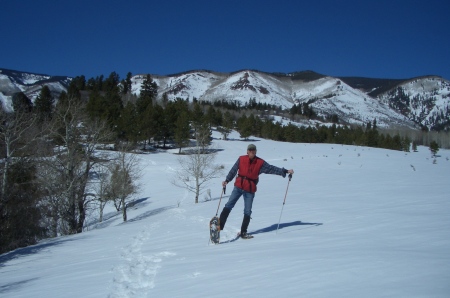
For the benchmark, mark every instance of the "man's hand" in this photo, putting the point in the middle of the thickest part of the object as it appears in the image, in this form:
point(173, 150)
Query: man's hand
point(224, 184)
point(291, 171)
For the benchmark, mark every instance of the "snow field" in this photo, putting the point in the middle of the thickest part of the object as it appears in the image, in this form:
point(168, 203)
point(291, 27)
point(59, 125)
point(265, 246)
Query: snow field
point(358, 222)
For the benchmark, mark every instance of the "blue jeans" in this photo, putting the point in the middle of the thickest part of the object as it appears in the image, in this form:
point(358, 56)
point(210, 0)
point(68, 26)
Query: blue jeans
point(248, 200)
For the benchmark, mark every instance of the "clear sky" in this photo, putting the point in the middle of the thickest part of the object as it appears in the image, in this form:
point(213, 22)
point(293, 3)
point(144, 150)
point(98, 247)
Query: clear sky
point(378, 39)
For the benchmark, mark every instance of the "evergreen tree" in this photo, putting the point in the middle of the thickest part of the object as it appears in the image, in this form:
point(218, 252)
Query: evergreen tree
point(92, 85)
point(434, 148)
point(73, 91)
point(211, 117)
point(307, 111)
point(170, 116)
point(397, 143)
point(127, 125)
point(44, 104)
point(290, 133)
point(406, 144)
point(79, 83)
point(160, 131)
point(147, 122)
point(244, 127)
point(21, 103)
point(20, 214)
point(99, 83)
point(111, 84)
point(227, 125)
point(96, 105)
point(197, 115)
point(295, 110)
point(113, 100)
point(126, 84)
point(145, 111)
point(62, 100)
point(149, 91)
point(372, 137)
point(182, 128)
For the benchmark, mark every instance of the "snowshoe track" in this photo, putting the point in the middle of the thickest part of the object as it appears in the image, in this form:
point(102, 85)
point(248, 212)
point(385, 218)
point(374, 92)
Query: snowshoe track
point(135, 277)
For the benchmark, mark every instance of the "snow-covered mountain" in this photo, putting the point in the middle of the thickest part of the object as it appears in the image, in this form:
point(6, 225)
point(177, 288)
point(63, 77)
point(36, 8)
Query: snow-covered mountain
point(419, 101)
point(424, 100)
point(12, 81)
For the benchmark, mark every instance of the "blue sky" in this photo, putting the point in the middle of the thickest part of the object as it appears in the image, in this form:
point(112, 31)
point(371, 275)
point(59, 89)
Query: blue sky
point(378, 39)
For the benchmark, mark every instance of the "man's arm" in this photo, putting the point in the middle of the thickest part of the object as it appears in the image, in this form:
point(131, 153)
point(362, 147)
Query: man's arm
point(270, 169)
point(232, 173)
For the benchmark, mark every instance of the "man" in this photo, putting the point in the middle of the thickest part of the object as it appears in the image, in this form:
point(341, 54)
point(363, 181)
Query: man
point(248, 168)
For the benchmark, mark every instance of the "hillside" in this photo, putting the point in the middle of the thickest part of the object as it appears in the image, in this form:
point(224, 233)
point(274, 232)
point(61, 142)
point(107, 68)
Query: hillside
point(414, 103)
point(358, 222)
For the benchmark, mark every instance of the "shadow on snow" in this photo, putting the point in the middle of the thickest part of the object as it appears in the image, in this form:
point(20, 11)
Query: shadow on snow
point(15, 285)
point(33, 249)
point(284, 225)
point(274, 228)
point(150, 213)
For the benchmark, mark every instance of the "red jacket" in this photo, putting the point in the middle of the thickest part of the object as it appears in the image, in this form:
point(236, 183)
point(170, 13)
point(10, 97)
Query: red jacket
point(248, 173)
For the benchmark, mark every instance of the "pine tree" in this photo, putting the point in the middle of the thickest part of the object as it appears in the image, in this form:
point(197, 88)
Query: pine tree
point(44, 104)
point(20, 215)
point(146, 113)
point(113, 101)
point(21, 103)
point(73, 91)
point(197, 115)
point(79, 83)
point(434, 148)
point(227, 125)
point(127, 124)
point(211, 116)
point(126, 84)
point(96, 105)
point(182, 128)
point(244, 126)
point(406, 144)
point(149, 91)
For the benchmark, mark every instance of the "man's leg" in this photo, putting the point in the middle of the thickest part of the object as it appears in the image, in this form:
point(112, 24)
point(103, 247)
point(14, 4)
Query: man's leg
point(234, 197)
point(248, 202)
point(223, 217)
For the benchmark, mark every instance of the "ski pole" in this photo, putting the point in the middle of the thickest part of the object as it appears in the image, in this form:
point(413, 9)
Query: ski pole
point(221, 194)
point(217, 212)
point(284, 201)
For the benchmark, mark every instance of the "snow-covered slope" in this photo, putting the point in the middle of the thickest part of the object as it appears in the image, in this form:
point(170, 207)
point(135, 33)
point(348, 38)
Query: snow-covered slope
point(246, 85)
point(327, 95)
point(12, 81)
point(331, 96)
point(423, 101)
point(358, 222)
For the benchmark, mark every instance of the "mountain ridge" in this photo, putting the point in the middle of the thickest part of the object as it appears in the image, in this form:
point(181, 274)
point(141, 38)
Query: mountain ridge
point(413, 102)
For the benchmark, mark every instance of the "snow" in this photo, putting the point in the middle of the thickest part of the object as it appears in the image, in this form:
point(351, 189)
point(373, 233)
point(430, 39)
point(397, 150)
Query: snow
point(358, 222)
point(429, 98)
point(30, 79)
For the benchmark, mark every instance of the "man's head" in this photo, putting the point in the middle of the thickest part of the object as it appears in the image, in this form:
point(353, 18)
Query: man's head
point(251, 151)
